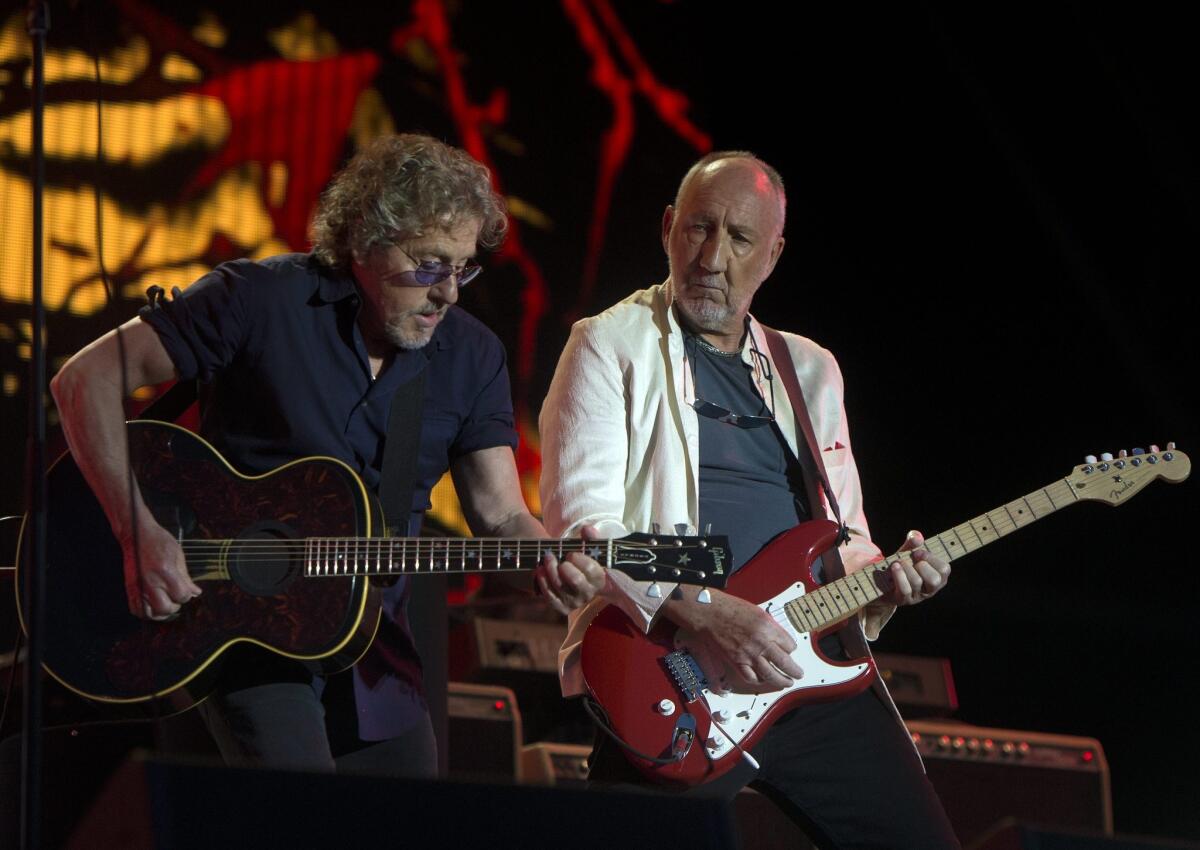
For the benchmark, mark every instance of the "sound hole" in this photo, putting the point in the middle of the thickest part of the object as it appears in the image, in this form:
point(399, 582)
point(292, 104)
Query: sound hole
point(265, 559)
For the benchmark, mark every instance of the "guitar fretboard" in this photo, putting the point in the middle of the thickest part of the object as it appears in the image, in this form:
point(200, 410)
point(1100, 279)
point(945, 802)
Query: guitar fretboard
point(339, 556)
point(838, 600)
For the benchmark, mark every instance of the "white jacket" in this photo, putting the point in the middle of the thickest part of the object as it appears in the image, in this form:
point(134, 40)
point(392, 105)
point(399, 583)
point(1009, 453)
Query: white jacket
point(620, 444)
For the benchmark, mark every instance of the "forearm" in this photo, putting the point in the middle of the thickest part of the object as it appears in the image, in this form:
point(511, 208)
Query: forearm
point(89, 393)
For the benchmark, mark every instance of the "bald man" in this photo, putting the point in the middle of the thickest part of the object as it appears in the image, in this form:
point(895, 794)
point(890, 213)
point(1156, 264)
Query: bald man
point(667, 409)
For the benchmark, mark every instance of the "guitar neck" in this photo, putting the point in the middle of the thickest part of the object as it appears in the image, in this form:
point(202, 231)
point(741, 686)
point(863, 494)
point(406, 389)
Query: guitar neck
point(373, 556)
point(838, 600)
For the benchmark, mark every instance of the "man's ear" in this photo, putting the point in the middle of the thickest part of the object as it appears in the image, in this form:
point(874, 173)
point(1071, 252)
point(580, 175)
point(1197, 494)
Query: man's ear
point(776, 251)
point(668, 220)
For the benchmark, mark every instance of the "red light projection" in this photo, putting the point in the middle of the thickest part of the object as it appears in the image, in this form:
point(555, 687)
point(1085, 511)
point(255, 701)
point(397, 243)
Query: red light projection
point(221, 129)
point(670, 105)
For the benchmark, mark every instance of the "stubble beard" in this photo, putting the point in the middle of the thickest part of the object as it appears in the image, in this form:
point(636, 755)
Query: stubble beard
point(406, 335)
point(703, 313)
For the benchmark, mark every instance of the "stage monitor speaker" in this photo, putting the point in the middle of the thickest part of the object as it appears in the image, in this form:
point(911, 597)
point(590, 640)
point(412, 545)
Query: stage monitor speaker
point(517, 645)
point(1013, 835)
point(985, 775)
point(151, 804)
point(921, 686)
point(548, 763)
point(484, 734)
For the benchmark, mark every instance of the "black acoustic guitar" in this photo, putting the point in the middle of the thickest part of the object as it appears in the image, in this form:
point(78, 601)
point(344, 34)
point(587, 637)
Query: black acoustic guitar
point(285, 560)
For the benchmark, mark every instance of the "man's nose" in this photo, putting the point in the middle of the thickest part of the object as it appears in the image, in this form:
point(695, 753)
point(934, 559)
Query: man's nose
point(714, 253)
point(445, 291)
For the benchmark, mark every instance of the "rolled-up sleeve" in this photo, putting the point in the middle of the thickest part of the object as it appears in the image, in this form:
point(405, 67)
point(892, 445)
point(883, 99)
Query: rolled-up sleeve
point(203, 327)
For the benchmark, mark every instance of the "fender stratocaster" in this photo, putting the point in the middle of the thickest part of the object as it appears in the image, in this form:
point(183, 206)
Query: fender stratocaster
point(657, 697)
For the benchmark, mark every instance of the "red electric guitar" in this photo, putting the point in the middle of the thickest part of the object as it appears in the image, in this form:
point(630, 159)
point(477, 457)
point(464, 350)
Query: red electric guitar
point(657, 697)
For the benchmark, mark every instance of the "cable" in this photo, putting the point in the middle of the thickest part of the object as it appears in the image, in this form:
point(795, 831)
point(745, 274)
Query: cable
point(591, 707)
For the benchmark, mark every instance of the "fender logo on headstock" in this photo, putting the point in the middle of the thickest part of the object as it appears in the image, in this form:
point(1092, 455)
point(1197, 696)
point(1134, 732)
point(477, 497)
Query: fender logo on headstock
point(1124, 487)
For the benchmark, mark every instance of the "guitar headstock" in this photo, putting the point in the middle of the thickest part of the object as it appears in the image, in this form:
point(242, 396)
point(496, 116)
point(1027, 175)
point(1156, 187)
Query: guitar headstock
point(702, 561)
point(1116, 480)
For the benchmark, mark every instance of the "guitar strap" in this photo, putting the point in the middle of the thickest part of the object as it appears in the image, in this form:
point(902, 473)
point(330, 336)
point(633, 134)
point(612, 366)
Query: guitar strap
point(400, 453)
point(426, 609)
point(815, 480)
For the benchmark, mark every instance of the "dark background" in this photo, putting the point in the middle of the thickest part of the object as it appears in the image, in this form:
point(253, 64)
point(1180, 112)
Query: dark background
point(992, 224)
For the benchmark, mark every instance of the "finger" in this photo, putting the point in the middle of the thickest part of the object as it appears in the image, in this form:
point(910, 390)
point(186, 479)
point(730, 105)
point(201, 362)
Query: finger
point(156, 604)
point(769, 676)
point(785, 664)
point(548, 572)
point(596, 574)
point(589, 532)
point(902, 583)
point(912, 540)
point(178, 587)
point(931, 579)
point(551, 597)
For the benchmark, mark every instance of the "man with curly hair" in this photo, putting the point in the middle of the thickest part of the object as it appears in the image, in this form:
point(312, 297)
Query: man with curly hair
point(302, 354)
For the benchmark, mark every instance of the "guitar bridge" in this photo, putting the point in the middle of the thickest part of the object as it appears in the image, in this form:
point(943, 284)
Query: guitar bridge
point(687, 674)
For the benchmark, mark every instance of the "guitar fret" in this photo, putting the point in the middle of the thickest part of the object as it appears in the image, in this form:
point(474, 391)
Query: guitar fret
point(1001, 522)
point(938, 547)
point(838, 600)
point(971, 541)
point(956, 541)
point(810, 619)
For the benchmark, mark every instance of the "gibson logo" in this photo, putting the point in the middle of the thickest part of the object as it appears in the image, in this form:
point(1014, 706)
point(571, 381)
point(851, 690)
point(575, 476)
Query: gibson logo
point(718, 557)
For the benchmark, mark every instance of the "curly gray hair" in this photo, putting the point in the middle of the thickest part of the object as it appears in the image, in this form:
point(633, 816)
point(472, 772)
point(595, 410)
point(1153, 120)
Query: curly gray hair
point(401, 186)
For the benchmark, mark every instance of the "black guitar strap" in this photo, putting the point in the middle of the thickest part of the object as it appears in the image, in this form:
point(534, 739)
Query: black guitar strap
point(428, 615)
point(400, 453)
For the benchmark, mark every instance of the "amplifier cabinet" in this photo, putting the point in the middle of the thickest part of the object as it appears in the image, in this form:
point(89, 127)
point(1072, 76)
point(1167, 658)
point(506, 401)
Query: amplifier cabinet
point(549, 763)
point(484, 731)
point(984, 775)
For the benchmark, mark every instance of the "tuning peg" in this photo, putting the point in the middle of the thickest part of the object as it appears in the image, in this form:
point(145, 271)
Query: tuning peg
point(654, 591)
point(704, 597)
point(654, 528)
point(1106, 456)
point(1122, 453)
point(708, 529)
point(1138, 451)
point(681, 528)
point(1153, 449)
point(1171, 447)
point(1090, 459)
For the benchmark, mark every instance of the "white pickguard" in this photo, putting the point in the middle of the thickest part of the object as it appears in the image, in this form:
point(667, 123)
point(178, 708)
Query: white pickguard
point(736, 714)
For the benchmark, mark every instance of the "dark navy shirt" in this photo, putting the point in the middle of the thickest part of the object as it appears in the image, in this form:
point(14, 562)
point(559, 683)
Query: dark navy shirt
point(284, 374)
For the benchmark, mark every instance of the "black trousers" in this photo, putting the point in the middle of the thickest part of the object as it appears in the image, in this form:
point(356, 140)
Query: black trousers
point(845, 772)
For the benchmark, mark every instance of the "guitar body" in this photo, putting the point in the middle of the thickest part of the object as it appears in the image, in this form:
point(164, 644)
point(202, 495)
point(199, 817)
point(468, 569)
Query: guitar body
point(631, 674)
point(97, 649)
point(656, 695)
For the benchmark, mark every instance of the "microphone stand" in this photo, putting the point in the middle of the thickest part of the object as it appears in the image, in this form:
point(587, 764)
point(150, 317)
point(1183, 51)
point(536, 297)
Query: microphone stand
point(38, 21)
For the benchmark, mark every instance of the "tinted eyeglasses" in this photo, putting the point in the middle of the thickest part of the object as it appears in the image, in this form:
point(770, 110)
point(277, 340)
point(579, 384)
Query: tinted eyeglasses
point(712, 410)
point(431, 272)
